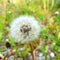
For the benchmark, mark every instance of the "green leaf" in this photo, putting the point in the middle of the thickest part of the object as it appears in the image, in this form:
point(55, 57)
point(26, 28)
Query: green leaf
point(44, 48)
point(1, 18)
point(55, 47)
point(9, 16)
point(1, 36)
point(59, 35)
point(12, 41)
point(57, 18)
point(2, 26)
point(42, 17)
point(24, 52)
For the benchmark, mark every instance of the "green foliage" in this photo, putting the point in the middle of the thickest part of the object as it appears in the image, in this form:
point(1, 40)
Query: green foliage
point(9, 16)
point(57, 19)
point(59, 35)
point(44, 48)
point(24, 52)
point(12, 41)
point(42, 17)
point(1, 36)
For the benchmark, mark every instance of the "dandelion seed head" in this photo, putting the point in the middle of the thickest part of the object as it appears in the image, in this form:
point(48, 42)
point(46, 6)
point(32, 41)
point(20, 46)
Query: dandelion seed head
point(24, 29)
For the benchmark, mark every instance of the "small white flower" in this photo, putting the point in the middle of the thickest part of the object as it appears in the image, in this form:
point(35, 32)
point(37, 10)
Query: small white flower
point(52, 55)
point(24, 29)
point(57, 12)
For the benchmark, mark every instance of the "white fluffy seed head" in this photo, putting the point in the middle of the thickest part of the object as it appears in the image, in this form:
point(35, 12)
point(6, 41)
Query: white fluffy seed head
point(24, 29)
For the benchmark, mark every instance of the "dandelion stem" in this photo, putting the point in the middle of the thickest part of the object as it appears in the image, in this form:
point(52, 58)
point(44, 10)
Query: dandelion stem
point(52, 3)
point(45, 5)
point(32, 52)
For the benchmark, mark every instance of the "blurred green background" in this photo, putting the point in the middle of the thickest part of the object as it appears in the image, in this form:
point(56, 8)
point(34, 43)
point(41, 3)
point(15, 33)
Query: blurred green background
point(47, 12)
